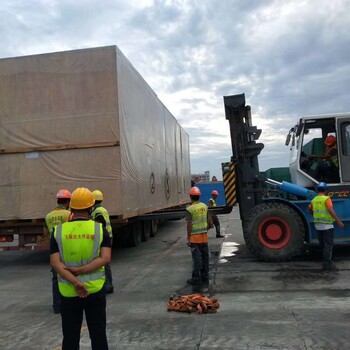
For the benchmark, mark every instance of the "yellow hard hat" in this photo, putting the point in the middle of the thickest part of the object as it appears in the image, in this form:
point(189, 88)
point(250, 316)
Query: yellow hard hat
point(82, 198)
point(98, 195)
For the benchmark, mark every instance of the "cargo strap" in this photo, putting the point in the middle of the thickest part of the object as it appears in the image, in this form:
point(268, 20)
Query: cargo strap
point(193, 303)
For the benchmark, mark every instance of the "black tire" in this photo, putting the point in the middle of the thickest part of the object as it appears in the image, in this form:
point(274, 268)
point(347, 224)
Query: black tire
point(154, 227)
point(274, 231)
point(120, 235)
point(146, 230)
point(134, 234)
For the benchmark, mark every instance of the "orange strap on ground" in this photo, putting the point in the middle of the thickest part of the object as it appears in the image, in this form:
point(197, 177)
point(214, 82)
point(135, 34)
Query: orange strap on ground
point(193, 303)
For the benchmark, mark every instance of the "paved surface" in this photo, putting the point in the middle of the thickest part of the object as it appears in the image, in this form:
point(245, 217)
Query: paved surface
point(265, 306)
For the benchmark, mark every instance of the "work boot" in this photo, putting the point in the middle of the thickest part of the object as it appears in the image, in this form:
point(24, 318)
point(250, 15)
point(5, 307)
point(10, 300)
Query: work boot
point(329, 267)
point(219, 236)
point(194, 281)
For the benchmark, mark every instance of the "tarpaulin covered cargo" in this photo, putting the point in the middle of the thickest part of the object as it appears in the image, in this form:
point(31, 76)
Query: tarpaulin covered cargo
point(86, 118)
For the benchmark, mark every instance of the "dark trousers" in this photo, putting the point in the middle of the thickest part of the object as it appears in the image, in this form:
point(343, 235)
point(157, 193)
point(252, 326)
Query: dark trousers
point(72, 310)
point(216, 223)
point(56, 296)
point(200, 259)
point(326, 240)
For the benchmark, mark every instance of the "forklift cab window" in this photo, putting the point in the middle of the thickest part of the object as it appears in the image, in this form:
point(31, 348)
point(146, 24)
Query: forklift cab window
point(319, 158)
point(346, 138)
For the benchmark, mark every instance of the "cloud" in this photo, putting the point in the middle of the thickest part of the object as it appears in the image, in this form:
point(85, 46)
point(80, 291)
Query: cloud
point(290, 58)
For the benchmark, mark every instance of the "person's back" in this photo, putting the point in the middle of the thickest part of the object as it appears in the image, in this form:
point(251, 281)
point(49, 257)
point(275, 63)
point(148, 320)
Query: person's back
point(199, 214)
point(101, 215)
point(80, 249)
point(55, 217)
point(60, 214)
point(197, 238)
point(79, 239)
point(324, 216)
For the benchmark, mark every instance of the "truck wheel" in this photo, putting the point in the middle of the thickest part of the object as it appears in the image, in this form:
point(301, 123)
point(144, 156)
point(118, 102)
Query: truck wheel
point(154, 228)
point(134, 235)
point(146, 230)
point(274, 232)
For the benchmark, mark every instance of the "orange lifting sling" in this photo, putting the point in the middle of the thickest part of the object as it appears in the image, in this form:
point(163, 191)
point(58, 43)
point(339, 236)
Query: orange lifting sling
point(193, 303)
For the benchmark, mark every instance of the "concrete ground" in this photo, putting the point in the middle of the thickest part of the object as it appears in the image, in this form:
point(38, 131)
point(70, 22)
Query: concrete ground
point(265, 306)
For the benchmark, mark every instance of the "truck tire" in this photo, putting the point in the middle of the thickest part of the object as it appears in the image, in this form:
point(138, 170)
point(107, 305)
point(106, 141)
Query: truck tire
point(146, 230)
point(134, 234)
point(154, 228)
point(274, 232)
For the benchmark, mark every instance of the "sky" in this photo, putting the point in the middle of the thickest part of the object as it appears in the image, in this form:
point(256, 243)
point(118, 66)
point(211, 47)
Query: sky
point(290, 58)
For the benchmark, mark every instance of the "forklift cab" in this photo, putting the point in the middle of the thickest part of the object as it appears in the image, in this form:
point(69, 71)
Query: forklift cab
point(320, 150)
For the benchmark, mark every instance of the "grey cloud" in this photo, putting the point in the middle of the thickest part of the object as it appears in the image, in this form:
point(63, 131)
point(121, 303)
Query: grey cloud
point(290, 58)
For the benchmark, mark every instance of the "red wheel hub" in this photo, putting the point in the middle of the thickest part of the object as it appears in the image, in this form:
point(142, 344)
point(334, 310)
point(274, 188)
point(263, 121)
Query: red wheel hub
point(274, 232)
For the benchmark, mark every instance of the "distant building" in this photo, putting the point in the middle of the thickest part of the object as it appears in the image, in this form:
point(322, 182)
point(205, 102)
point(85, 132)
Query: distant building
point(205, 177)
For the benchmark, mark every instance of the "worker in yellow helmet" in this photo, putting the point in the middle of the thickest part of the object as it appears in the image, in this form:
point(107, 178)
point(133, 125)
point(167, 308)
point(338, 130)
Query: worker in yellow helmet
point(55, 217)
point(214, 218)
point(80, 249)
point(101, 215)
point(197, 237)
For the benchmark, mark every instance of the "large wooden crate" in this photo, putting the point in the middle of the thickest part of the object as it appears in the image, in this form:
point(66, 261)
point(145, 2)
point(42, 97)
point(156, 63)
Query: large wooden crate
point(86, 118)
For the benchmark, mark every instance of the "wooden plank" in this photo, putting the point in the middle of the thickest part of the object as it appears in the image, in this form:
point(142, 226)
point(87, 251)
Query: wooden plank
point(58, 148)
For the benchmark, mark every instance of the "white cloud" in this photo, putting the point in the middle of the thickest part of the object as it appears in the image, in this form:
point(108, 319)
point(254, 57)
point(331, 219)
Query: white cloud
point(290, 58)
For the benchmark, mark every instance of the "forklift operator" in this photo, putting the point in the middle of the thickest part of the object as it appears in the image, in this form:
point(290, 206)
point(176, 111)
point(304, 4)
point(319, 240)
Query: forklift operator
point(325, 167)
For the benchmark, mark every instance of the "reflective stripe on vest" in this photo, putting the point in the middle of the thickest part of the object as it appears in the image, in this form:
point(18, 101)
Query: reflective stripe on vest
point(320, 211)
point(103, 211)
point(79, 243)
point(199, 215)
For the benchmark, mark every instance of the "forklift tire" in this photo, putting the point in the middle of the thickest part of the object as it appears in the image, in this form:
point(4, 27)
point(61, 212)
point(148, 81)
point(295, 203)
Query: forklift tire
point(274, 231)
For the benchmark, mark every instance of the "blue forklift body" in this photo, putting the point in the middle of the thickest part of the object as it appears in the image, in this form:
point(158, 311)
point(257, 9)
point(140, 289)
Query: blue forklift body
point(342, 208)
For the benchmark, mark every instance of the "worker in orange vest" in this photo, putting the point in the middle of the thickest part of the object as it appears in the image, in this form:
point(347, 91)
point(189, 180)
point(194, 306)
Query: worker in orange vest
point(197, 238)
point(325, 167)
point(55, 217)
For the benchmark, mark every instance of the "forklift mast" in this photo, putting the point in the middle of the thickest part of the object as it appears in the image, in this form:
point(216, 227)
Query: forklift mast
point(245, 151)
